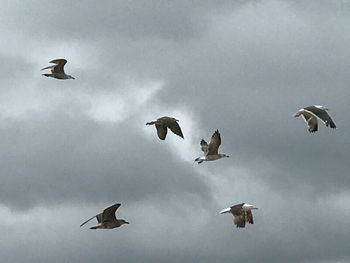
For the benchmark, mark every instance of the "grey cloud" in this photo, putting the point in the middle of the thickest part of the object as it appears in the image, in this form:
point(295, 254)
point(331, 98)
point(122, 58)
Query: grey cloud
point(178, 20)
point(242, 68)
point(63, 158)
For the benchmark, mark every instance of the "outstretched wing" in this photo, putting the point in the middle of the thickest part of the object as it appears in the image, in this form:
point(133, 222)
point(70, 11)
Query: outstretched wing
point(323, 115)
point(214, 143)
point(161, 131)
point(59, 67)
point(98, 217)
point(250, 217)
point(239, 220)
point(204, 146)
point(175, 128)
point(109, 213)
point(238, 213)
point(87, 221)
point(311, 120)
point(48, 67)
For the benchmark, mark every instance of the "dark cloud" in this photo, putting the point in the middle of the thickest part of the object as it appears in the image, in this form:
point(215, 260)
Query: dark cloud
point(180, 20)
point(71, 148)
point(61, 158)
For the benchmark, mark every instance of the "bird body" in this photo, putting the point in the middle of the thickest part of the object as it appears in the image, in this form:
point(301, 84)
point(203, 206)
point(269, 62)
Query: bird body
point(107, 219)
point(211, 150)
point(312, 113)
point(162, 124)
point(57, 70)
point(242, 213)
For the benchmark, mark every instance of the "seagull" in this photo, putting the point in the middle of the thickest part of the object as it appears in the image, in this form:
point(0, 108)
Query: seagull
point(162, 124)
point(107, 219)
point(242, 213)
point(57, 70)
point(211, 150)
point(310, 115)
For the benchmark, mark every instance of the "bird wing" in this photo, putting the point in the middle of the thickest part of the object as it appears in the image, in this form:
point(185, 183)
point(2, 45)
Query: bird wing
point(98, 217)
point(48, 67)
point(204, 146)
point(250, 217)
point(322, 115)
point(175, 128)
point(59, 67)
point(161, 131)
point(109, 213)
point(87, 221)
point(311, 120)
point(214, 143)
point(237, 209)
point(239, 220)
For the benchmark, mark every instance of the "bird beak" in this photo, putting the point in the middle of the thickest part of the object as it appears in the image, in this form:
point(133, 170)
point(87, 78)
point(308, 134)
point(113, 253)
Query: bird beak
point(127, 223)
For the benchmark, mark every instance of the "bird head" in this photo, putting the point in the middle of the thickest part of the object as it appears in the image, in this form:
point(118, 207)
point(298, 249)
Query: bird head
point(224, 155)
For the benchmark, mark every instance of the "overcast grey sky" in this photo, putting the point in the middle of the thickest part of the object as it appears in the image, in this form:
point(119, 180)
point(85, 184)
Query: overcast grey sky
point(70, 148)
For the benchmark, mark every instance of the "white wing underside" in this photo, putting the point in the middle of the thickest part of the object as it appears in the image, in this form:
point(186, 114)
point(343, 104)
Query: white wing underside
point(226, 210)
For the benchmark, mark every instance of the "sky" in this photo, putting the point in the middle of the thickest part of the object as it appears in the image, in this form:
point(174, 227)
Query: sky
point(69, 149)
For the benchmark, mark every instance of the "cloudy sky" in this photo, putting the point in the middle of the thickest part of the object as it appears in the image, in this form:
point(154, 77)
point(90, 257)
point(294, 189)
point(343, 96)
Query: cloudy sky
point(70, 148)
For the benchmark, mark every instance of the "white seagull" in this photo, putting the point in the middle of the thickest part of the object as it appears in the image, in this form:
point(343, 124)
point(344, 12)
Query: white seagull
point(162, 124)
point(211, 150)
point(57, 70)
point(310, 115)
point(242, 213)
point(107, 219)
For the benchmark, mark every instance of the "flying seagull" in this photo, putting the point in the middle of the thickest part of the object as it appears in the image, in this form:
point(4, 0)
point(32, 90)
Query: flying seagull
point(107, 219)
point(162, 124)
point(242, 213)
point(310, 115)
point(57, 70)
point(211, 150)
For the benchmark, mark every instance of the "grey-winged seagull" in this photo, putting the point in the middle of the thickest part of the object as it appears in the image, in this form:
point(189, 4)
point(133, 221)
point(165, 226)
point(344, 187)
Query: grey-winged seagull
point(162, 124)
point(211, 150)
point(107, 219)
point(57, 70)
point(310, 115)
point(242, 213)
